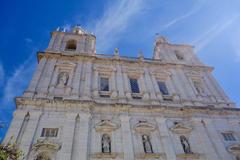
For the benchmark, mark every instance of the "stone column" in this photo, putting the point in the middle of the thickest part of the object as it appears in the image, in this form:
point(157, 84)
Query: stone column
point(76, 144)
point(58, 46)
point(143, 87)
point(14, 129)
point(165, 138)
point(127, 137)
point(120, 83)
point(33, 84)
point(186, 84)
point(46, 78)
point(76, 81)
point(52, 41)
point(126, 86)
point(178, 84)
point(156, 88)
point(88, 81)
point(29, 133)
point(114, 93)
point(216, 140)
point(207, 145)
point(84, 136)
point(149, 84)
point(95, 83)
point(67, 139)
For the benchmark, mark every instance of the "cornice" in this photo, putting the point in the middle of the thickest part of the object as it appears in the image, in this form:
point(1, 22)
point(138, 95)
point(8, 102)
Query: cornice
point(122, 60)
point(23, 103)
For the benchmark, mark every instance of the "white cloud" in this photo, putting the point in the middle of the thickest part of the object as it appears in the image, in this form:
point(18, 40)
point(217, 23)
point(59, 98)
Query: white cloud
point(196, 7)
point(2, 74)
point(16, 84)
point(114, 21)
point(215, 30)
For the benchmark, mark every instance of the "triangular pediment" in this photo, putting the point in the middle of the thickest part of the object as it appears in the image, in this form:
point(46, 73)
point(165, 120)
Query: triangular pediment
point(180, 128)
point(106, 126)
point(143, 127)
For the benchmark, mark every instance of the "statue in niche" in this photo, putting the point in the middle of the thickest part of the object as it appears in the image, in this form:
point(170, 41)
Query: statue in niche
point(147, 144)
point(106, 144)
point(185, 145)
point(198, 87)
point(62, 79)
point(42, 157)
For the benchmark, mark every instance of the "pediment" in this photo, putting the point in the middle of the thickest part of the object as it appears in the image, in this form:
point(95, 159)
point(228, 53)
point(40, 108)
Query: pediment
point(180, 128)
point(66, 64)
point(235, 149)
point(143, 127)
point(160, 74)
point(46, 144)
point(194, 74)
point(106, 126)
point(104, 68)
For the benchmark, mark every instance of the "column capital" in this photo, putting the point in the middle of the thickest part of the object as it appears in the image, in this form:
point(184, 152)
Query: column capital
point(160, 119)
point(84, 115)
point(124, 118)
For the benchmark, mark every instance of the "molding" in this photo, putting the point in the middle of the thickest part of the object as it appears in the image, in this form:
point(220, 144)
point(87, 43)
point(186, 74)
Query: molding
point(180, 128)
point(234, 149)
point(193, 156)
point(46, 144)
point(144, 127)
point(106, 126)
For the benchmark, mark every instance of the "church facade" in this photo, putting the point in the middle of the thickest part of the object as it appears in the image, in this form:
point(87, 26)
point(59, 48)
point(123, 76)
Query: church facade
point(81, 105)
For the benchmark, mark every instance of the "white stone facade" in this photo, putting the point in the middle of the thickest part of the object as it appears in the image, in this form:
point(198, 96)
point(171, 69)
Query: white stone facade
point(64, 115)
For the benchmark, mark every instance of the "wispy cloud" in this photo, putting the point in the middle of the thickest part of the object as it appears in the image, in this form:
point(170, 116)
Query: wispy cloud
point(18, 81)
point(2, 74)
point(215, 30)
point(196, 7)
point(114, 21)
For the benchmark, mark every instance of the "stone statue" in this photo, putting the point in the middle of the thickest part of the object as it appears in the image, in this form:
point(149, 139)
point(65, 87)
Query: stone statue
point(185, 145)
point(42, 157)
point(106, 144)
point(62, 79)
point(147, 144)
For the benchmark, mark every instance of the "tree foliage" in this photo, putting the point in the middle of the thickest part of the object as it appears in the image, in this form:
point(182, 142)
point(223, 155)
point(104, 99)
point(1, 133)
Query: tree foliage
point(10, 151)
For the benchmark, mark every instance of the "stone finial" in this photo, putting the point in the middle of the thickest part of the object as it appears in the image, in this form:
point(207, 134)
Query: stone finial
point(160, 39)
point(140, 55)
point(116, 52)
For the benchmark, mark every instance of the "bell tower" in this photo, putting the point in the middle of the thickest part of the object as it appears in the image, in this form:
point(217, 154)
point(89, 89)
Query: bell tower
point(72, 41)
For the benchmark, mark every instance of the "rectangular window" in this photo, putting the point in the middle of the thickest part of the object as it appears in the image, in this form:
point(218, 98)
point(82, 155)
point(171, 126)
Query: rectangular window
point(134, 85)
point(49, 132)
point(104, 84)
point(228, 137)
point(163, 88)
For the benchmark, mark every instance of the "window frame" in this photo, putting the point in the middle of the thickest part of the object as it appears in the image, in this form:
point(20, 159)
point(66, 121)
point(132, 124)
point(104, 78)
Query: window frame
point(228, 136)
point(69, 43)
point(136, 83)
point(49, 132)
point(167, 93)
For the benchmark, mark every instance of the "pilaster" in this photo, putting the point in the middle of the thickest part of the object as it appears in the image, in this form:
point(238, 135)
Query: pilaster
point(126, 137)
point(33, 84)
point(67, 140)
point(216, 140)
point(165, 138)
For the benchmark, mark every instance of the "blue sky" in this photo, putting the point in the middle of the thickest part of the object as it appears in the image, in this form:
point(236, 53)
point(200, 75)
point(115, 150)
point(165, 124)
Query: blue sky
point(212, 26)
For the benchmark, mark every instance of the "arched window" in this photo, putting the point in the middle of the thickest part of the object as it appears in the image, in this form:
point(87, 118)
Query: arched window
point(106, 143)
point(147, 144)
point(71, 45)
